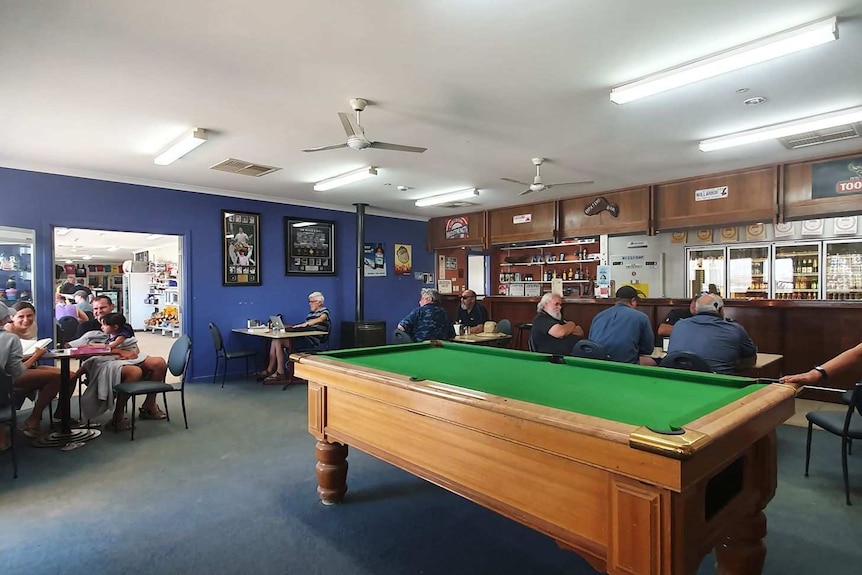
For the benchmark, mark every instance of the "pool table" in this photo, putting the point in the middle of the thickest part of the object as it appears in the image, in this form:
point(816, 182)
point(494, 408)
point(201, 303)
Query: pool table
point(638, 469)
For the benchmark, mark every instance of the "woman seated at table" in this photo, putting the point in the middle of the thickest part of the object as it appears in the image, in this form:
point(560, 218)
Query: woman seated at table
point(44, 379)
point(317, 319)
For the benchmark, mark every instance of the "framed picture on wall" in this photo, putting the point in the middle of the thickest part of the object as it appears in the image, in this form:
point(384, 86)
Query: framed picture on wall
point(240, 248)
point(309, 247)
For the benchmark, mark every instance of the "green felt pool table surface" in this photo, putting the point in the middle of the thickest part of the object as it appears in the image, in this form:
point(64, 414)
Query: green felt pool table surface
point(662, 399)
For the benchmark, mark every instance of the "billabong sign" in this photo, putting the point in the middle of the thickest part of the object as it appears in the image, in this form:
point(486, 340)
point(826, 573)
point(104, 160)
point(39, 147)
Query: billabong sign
point(600, 205)
point(718, 193)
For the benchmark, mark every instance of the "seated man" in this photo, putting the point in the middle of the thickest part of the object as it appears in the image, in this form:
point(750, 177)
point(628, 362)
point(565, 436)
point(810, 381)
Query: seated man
point(123, 366)
point(550, 332)
point(666, 327)
point(624, 331)
point(429, 320)
point(317, 319)
point(471, 313)
point(725, 345)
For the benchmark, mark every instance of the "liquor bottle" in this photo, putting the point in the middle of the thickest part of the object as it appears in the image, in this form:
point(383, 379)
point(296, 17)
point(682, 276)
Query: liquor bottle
point(571, 275)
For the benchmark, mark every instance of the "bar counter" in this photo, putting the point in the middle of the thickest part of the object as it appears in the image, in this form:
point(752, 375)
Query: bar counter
point(805, 332)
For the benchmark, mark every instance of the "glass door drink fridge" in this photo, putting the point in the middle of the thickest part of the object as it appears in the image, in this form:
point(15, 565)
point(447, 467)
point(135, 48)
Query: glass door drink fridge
point(706, 267)
point(843, 272)
point(796, 271)
point(748, 272)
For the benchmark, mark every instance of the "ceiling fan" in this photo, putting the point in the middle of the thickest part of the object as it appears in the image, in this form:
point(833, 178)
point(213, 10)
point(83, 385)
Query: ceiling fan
point(356, 134)
point(538, 185)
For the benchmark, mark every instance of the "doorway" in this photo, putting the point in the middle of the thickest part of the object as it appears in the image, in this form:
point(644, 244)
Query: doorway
point(141, 273)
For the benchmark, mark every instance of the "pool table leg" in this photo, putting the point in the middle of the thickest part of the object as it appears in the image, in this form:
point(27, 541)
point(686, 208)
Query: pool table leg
point(331, 471)
point(743, 552)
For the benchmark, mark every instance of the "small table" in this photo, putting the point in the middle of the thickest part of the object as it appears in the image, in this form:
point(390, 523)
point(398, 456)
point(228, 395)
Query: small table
point(66, 433)
point(495, 339)
point(765, 362)
point(287, 335)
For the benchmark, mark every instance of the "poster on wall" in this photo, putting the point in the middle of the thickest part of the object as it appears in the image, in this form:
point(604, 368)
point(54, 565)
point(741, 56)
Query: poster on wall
point(375, 261)
point(812, 227)
point(457, 228)
point(403, 259)
point(755, 232)
point(784, 230)
point(603, 281)
point(309, 247)
point(836, 178)
point(240, 248)
point(845, 226)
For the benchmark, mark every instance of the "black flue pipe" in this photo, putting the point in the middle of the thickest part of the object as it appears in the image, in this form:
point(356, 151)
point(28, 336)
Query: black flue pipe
point(360, 261)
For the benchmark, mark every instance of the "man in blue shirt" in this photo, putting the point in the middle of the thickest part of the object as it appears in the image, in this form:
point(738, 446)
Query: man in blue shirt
point(429, 320)
point(725, 346)
point(624, 331)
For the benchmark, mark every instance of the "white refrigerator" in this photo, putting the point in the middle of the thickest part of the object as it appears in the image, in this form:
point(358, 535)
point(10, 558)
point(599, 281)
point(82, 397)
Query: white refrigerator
point(138, 303)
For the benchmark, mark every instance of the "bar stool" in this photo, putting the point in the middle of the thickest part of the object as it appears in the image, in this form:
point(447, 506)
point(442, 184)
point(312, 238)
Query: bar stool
point(522, 327)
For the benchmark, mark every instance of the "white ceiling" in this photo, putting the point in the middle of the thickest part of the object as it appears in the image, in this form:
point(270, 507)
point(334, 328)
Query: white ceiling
point(100, 246)
point(98, 87)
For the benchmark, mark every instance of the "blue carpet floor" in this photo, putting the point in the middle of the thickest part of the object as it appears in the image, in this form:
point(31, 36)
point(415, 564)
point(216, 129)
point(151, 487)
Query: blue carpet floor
point(236, 494)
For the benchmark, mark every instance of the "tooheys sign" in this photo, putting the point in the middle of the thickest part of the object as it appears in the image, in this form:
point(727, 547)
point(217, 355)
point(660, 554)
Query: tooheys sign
point(836, 178)
point(600, 205)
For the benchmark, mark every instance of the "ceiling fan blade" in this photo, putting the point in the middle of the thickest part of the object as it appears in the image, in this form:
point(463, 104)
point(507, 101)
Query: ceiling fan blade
point(396, 147)
point(570, 184)
point(347, 122)
point(525, 192)
point(515, 181)
point(323, 148)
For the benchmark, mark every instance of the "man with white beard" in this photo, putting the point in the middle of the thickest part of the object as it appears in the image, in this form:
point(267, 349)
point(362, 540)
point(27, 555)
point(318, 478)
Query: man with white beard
point(550, 332)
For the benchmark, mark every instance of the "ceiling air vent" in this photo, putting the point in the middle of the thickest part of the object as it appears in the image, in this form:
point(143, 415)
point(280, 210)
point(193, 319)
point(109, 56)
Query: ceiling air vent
point(825, 136)
point(244, 168)
point(458, 204)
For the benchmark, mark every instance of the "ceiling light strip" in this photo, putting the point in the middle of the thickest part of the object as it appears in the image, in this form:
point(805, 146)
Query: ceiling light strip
point(791, 128)
point(181, 147)
point(446, 198)
point(774, 46)
point(344, 179)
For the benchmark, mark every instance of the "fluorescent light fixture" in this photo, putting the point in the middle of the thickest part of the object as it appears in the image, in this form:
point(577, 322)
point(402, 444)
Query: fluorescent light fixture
point(113, 248)
point(303, 224)
point(61, 231)
point(446, 198)
point(154, 236)
point(344, 179)
point(181, 147)
point(800, 126)
point(774, 46)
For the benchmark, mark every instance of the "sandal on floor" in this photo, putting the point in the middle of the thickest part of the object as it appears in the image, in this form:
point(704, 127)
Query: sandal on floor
point(262, 375)
point(123, 425)
point(146, 414)
point(31, 432)
point(276, 377)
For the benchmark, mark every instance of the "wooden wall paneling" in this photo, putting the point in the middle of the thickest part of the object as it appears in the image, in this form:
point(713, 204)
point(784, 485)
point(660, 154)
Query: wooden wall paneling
point(634, 208)
point(751, 198)
point(476, 230)
point(541, 227)
point(763, 327)
point(797, 202)
point(457, 275)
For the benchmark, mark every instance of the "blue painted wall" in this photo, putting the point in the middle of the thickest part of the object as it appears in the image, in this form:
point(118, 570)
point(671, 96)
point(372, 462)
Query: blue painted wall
point(43, 201)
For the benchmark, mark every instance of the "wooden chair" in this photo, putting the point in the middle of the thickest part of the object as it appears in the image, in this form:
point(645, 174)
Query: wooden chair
point(222, 353)
point(178, 361)
point(844, 425)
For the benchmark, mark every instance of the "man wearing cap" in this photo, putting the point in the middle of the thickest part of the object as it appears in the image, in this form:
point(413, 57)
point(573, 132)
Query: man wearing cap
point(725, 346)
point(550, 332)
point(471, 313)
point(82, 300)
point(624, 331)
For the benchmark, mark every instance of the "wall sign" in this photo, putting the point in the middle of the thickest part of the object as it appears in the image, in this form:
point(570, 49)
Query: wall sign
point(718, 193)
point(240, 248)
point(309, 247)
point(457, 228)
point(522, 219)
point(836, 178)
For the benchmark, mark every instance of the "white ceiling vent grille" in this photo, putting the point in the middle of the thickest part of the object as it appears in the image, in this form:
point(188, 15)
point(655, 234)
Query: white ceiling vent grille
point(825, 136)
point(244, 168)
point(459, 204)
